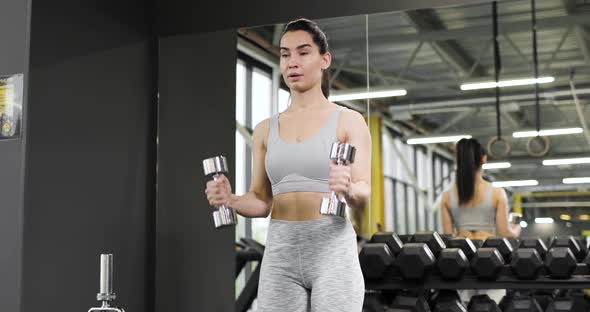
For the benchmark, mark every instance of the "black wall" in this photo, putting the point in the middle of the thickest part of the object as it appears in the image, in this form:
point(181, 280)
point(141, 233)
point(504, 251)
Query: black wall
point(195, 262)
point(90, 163)
point(14, 23)
point(178, 16)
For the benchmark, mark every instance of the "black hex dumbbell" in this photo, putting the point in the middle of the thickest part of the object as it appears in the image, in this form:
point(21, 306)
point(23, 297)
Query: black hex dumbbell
point(446, 300)
point(526, 263)
point(452, 263)
point(536, 243)
point(502, 244)
point(571, 301)
point(477, 242)
point(520, 303)
point(410, 301)
point(432, 239)
point(377, 256)
point(571, 243)
point(415, 261)
point(487, 263)
point(482, 303)
point(560, 262)
point(465, 244)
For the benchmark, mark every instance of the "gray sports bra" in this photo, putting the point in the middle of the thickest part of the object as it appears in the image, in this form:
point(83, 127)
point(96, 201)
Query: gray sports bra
point(300, 166)
point(481, 217)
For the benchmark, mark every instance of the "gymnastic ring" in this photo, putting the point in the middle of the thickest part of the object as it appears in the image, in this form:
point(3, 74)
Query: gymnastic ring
point(504, 153)
point(545, 140)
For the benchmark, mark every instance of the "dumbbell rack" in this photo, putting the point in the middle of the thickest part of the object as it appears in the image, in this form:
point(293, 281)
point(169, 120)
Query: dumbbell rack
point(506, 280)
point(396, 277)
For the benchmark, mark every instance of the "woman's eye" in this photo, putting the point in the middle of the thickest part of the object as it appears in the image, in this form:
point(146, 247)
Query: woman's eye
point(284, 55)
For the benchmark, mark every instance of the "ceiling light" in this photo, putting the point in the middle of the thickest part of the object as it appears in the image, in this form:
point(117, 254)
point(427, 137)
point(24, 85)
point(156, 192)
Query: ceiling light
point(366, 95)
point(576, 180)
point(566, 161)
point(515, 183)
point(584, 217)
point(498, 165)
point(544, 220)
point(523, 224)
point(438, 139)
point(565, 217)
point(546, 132)
point(505, 83)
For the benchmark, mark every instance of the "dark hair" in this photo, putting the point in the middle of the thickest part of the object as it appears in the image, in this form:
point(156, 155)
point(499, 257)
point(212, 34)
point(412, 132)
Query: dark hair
point(319, 38)
point(469, 157)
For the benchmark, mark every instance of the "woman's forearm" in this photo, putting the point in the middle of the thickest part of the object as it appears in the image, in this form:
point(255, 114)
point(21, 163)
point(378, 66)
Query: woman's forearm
point(250, 205)
point(359, 195)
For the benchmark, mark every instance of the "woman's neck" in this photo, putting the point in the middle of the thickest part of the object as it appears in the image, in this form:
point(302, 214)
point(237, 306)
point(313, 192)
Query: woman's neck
point(302, 101)
point(479, 176)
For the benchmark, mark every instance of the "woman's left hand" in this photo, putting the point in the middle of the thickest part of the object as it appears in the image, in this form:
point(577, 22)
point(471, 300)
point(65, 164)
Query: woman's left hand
point(340, 179)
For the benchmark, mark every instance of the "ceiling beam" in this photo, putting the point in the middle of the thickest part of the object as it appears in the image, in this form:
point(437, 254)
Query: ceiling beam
point(427, 20)
point(475, 31)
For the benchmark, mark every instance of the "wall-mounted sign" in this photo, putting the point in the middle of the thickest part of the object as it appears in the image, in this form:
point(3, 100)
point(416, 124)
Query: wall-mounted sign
point(11, 104)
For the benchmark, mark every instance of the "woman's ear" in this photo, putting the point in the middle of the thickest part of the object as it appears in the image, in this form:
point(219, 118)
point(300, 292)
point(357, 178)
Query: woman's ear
point(326, 60)
point(484, 159)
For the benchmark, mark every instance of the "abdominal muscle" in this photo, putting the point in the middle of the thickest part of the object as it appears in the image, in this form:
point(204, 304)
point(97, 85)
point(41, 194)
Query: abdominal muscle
point(297, 206)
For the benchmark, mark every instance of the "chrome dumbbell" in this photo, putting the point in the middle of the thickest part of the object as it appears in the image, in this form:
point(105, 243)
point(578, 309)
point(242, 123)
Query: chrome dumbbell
point(106, 295)
point(341, 154)
point(214, 167)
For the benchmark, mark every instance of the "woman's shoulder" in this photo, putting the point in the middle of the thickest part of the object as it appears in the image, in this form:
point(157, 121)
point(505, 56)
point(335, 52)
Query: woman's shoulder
point(350, 117)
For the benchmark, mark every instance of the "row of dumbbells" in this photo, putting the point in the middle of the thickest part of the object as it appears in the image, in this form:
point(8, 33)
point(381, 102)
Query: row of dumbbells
point(450, 301)
point(386, 255)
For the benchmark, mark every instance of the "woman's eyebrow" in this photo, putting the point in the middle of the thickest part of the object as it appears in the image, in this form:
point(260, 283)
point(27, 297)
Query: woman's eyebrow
point(306, 45)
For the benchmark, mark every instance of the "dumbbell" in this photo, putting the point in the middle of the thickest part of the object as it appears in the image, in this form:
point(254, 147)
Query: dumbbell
point(527, 260)
point(560, 262)
point(417, 258)
point(406, 238)
point(341, 154)
point(415, 261)
point(526, 263)
point(377, 256)
point(446, 300)
point(487, 263)
point(502, 244)
point(213, 168)
point(432, 239)
point(447, 237)
point(373, 301)
point(571, 243)
point(536, 243)
point(482, 303)
point(408, 301)
point(573, 301)
point(454, 261)
point(523, 304)
point(477, 242)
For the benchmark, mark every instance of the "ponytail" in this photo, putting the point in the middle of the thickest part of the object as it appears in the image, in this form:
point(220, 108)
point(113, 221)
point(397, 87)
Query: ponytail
point(469, 157)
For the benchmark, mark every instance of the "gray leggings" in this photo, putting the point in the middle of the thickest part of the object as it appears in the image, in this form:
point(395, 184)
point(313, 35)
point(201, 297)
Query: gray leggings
point(311, 266)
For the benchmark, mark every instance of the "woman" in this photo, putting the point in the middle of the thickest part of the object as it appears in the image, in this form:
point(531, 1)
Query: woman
point(473, 208)
point(310, 262)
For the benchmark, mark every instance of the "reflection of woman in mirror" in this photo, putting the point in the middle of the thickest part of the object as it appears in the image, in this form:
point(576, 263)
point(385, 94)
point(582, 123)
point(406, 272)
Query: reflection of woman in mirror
point(311, 261)
point(473, 208)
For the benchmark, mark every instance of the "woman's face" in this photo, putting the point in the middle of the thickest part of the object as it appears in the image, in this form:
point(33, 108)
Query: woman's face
point(301, 61)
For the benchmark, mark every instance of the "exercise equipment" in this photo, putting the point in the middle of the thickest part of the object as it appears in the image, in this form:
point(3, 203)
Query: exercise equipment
point(213, 168)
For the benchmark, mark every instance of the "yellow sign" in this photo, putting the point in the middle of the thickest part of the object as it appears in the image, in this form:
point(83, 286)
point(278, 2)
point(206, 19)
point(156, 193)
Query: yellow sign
point(6, 96)
point(11, 94)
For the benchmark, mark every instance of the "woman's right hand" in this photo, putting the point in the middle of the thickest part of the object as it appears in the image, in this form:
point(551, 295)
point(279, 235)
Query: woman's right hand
point(219, 192)
point(516, 229)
